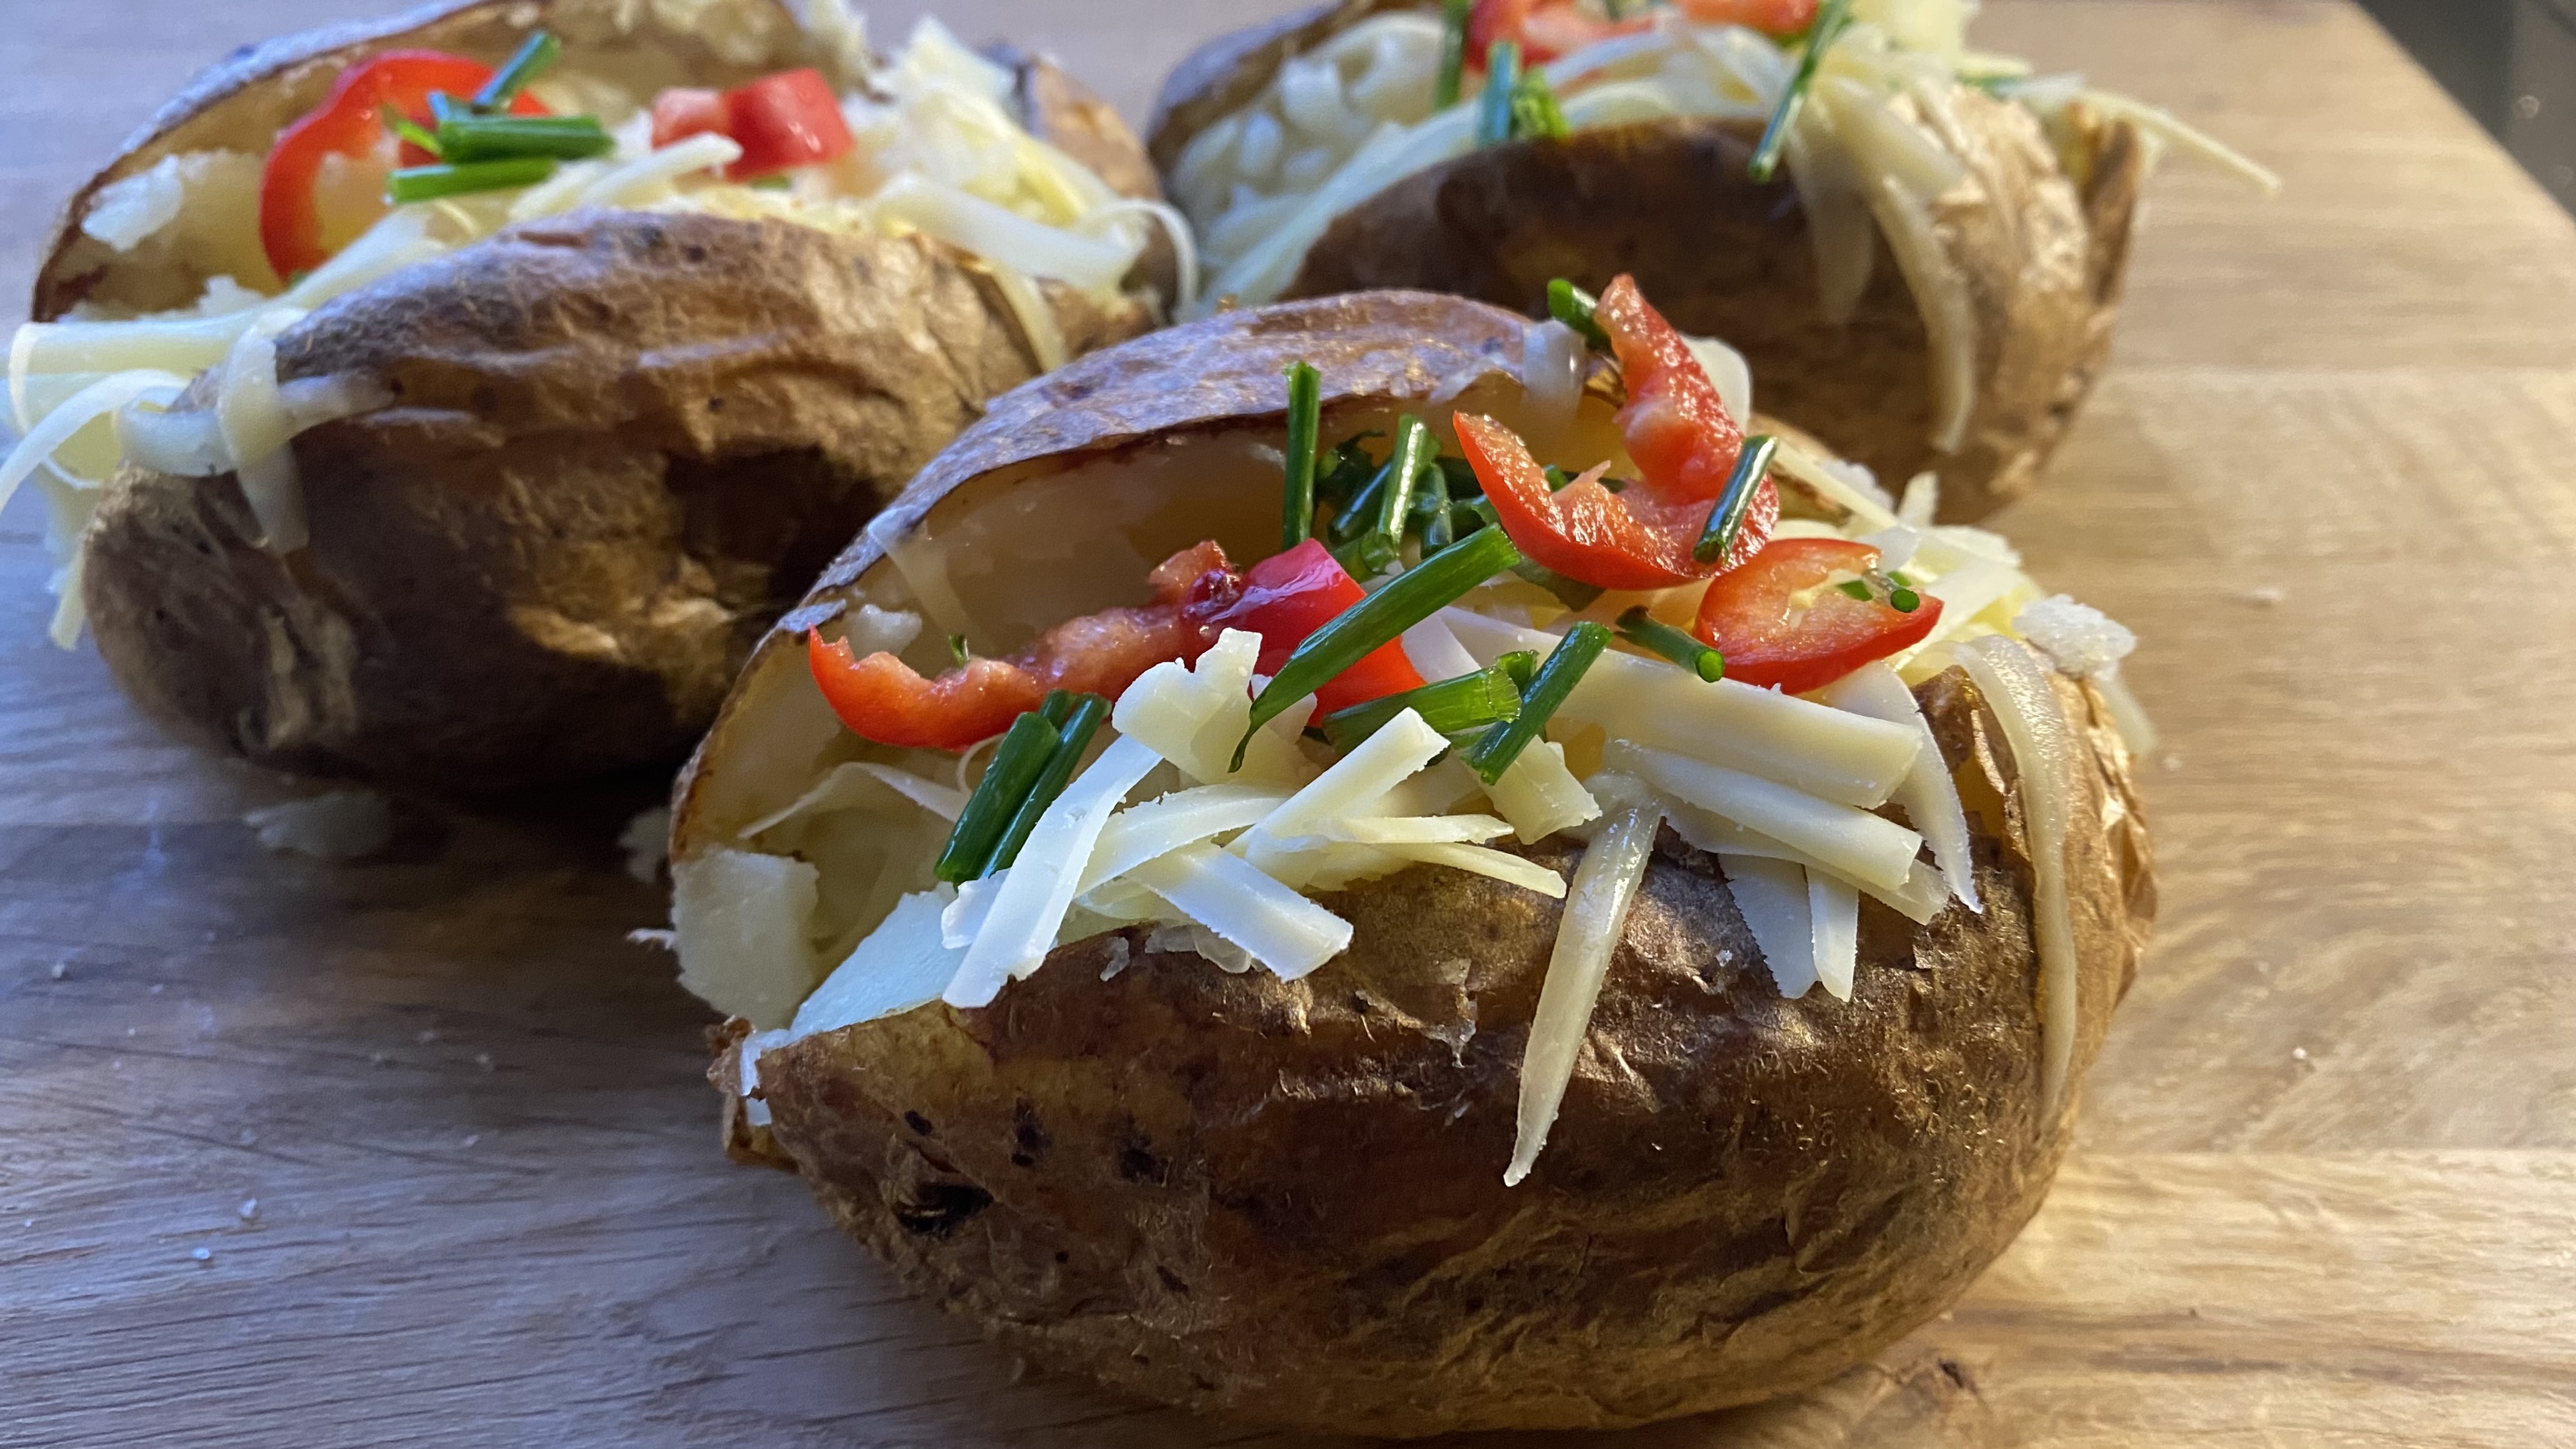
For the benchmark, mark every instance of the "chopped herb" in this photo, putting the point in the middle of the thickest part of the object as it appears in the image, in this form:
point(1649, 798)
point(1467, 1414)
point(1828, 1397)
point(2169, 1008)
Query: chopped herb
point(1904, 600)
point(957, 649)
point(1381, 506)
point(1367, 556)
point(1461, 477)
point(1520, 664)
point(1558, 480)
point(535, 56)
point(1572, 593)
point(410, 130)
point(1535, 113)
point(502, 138)
point(429, 183)
point(1349, 472)
point(1494, 751)
point(1431, 509)
point(1900, 580)
point(1657, 637)
point(1857, 588)
point(1073, 736)
point(444, 108)
point(1363, 628)
point(1025, 750)
point(1831, 17)
point(1457, 706)
point(1573, 306)
point(778, 182)
point(1453, 53)
point(1502, 83)
point(1305, 415)
point(1726, 516)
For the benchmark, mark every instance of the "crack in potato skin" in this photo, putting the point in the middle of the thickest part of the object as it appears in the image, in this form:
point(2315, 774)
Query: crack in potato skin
point(1282, 1201)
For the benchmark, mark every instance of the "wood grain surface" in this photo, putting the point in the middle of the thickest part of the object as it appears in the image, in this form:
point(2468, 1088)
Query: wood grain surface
point(440, 1136)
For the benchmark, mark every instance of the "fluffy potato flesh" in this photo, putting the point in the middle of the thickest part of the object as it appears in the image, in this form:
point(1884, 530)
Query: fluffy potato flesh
point(1283, 1201)
point(1967, 351)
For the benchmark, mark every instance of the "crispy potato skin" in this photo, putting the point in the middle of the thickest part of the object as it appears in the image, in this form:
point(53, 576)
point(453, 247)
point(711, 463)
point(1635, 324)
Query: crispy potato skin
point(1283, 1201)
point(621, 443)
point(2043, 259)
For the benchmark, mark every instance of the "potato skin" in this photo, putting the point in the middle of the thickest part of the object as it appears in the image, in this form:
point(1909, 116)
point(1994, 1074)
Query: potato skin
point(621, 443)
point(1283, 1201)
point(2043, 257)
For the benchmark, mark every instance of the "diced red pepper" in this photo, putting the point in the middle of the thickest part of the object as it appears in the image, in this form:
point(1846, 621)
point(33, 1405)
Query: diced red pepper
point(350, 123)
point(1782, 619)
point(1547, 29)
point(1291, 595)
point(781, 121)
point(1586, 532)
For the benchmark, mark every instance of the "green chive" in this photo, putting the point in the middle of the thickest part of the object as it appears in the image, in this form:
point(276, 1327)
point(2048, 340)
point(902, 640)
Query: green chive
point(1904, 601)
point(444, 108)
point(1058, 706)
point(1080, 724)
point(1857, 588)
point(1535, 114)
point(1305, 416)
point(1363, 628)
point(1831, 17)
point(1494, 107)
point(1453, 53)
point(1351, 470)
point(503, 138)
point(1381, 506)
point(780, 181)
point(1367, 556)
point(1495, 749)
point(535, 55)
point(410, 130)
point(1657, 637)
point(1431, 506)
point(1461, 477)
point(957, 649)
point(1573, 306)
point(1726, 516)
point(1558, 479)
point(1521, 665)
point(1900, 580)
point(1021, 758)
point(1459, 706)
point(429, 183)
point(1572, 593)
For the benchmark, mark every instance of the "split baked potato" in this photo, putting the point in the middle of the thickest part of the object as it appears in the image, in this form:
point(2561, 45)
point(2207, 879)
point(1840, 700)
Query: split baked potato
point(503, 488)
point(1142, 1143)
point(1929, 281)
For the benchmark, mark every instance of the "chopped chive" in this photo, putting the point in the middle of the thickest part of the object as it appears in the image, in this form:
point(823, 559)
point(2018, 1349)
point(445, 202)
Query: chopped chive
point(1380, 507)
point(1023, 755)
point(1900, 580)
point(777, 181)
point(410, 130)
point(957, 649)
point(429, 183)
point(1363, 628)
point(444, 108)
point(535, 55)
point(1502, 81)
point(1558, 479)
point(1831, 17)
point(1367, 556)
point(1351, 470)
point(1431, 506)
point(1453, 53)
point(1657, 637)
point(1572, 593)
point(1520, 664)
point(502, 138)
point(1495, 749)
point(1057, 707)
point(1857, 588)
point(1573, 306)
point(1535, 113)
point(1305, 416)
point(1081, 722)
point(1457, 706)
point(1726, 516)
point(1904, 600)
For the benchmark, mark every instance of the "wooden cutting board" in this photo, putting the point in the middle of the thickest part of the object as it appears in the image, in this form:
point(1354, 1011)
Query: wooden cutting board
point(416, 1151)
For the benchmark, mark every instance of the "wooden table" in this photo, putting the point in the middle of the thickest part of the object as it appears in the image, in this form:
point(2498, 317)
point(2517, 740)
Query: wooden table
point(2327, 1187)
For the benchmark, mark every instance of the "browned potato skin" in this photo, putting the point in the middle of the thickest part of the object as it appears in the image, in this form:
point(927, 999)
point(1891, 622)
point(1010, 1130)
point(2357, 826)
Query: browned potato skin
point(621, 444)
point(1283, 1201)
point(2044, 257)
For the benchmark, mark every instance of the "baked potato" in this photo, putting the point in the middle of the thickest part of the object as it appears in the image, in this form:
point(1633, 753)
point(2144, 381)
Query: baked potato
point(1930, 281)
point(1236, 1098)
point(504, 487)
